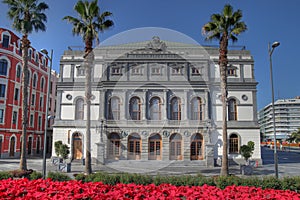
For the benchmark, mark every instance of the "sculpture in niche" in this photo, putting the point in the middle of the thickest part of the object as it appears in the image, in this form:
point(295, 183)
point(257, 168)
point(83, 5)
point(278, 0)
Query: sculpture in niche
point(156, 44)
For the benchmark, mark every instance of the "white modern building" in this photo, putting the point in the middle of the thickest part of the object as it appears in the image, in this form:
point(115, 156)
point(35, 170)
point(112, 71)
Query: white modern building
point(287, 118)
point(157, 100)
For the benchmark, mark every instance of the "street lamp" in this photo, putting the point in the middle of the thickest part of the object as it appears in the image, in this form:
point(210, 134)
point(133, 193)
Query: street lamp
point(271, 49)
point(44, 51)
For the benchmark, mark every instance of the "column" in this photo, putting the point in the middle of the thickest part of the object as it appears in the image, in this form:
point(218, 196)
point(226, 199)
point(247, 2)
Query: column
point(102, 104)
point(165, 106)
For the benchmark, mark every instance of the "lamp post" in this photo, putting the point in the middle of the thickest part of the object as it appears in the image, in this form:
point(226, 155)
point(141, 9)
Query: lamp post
point(271, 49)
point(44, 51)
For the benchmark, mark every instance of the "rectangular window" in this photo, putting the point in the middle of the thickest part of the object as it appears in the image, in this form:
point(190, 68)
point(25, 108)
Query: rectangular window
point(41, 102)
point(195, 71)
point(155, 71)
point(31, 120)
point(16, 94)
point(3, 67)
point(231, 72)
point(2, 90)
point(40, 122)
point(80, 71)
point(51, 85)
point(136, 71)
point(1, 116)
point(116, 71)
point(5, 41)
point(32, 99)
point(176, 71)
point(15, 116)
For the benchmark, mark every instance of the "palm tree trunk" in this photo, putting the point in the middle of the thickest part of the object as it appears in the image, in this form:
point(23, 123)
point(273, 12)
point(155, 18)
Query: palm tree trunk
point(25, 46)
point(89, 58)
point(223, 75)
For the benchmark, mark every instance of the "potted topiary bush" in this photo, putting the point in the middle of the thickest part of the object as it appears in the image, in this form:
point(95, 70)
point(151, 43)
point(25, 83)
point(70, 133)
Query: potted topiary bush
point(56, 160)
point(246, 152)
point(64, 152)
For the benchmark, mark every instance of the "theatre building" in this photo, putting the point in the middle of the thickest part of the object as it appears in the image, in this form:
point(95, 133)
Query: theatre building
point(11, 98)
point(156, 100)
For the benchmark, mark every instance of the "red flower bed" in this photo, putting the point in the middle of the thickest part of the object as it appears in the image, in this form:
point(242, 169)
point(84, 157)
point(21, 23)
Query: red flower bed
point(47, 189)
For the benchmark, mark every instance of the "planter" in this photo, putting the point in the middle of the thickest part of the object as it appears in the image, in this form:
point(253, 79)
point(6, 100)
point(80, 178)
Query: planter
point(64, 167)
point(56, 160)
point(246, 170)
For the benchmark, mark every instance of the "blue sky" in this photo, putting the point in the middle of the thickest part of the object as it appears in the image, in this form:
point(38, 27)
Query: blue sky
point(267, 21)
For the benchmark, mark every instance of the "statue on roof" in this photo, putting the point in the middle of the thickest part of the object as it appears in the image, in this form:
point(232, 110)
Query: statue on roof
point(156, 44)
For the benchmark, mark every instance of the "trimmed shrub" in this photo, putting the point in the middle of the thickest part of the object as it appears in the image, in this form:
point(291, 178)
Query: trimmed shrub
point(56, 176)
point(35, 175)
point(21, 173)
point(271, 182)
point(5, 175)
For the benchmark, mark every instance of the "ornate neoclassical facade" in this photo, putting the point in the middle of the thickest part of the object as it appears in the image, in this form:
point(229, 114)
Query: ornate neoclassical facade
point(156, 100)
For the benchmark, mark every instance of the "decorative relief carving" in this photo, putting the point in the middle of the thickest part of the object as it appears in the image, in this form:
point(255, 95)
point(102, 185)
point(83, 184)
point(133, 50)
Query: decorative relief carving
point(166, 133)
point(156, 44)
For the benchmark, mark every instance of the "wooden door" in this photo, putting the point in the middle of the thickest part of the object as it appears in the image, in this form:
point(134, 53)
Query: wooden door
point(12, 147)
point(175, 145)
point(175, 150)
point(77, 146)
point(196, 150)
point(155, 150)
point(134, 150)
point(29, 145)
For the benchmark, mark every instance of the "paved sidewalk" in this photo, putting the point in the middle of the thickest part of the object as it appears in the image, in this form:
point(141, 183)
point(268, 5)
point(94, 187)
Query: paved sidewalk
point(289, 165)
point(146, 167)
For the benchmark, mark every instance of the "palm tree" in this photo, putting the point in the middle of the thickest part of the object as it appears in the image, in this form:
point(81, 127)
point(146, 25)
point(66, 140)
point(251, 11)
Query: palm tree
point(224, 27)
point(27, 15)
point(88, 25)
point(295, 136)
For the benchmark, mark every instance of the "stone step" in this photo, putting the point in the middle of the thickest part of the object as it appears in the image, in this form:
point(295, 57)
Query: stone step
point(141, 166)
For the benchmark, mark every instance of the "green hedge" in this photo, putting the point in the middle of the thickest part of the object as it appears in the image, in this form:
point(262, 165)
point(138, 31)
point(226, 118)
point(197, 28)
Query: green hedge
point(5, 175)
point(287, 183)
point(56, 176)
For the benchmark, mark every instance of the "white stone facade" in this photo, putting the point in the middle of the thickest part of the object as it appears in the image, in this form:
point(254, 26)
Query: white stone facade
point(158, 102)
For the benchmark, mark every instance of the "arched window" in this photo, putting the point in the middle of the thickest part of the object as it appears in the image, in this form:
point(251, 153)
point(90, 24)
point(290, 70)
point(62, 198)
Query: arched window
point(18, 71)
point(232, 111)
point(196, 109)
point(175, 109)
point(114, 108)
point(3, 67)
point(79, 109)
point(135, 108)
point(36, 58)
point(155, 108)
point(175, 147)
point(114, 146)
point(233, 143)
point(42, 84)
point(34, 80)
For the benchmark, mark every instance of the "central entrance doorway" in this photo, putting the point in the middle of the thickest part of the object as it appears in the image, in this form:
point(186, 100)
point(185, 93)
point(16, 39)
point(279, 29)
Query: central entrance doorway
point(154, 147)
point(77, 146)
point(134, 147)
point(175, 147)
